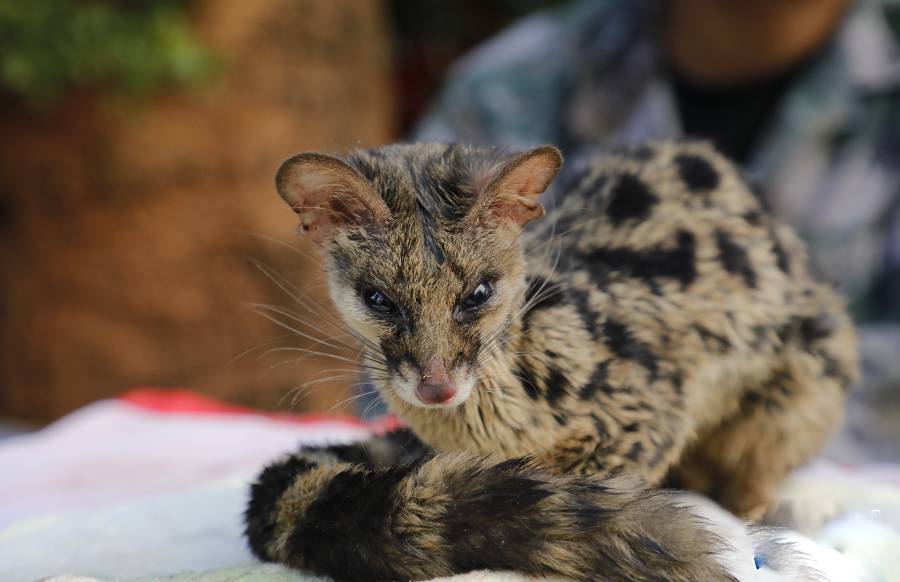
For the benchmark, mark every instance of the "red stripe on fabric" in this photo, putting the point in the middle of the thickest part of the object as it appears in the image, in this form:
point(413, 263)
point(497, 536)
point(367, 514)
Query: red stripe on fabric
point(183, 401)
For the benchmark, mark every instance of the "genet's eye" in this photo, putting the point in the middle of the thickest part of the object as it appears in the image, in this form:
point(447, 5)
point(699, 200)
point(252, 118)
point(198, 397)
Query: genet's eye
point(377, 301)
point(477, 297)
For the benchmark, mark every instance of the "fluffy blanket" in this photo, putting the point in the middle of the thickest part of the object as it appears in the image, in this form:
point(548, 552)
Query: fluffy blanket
point(130, 489)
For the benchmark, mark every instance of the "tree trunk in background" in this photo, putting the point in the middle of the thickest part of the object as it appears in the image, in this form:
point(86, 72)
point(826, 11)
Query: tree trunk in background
point(124, 225)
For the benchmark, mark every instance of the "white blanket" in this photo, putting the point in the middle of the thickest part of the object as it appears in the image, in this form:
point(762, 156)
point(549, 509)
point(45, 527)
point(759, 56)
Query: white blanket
point(120, 492)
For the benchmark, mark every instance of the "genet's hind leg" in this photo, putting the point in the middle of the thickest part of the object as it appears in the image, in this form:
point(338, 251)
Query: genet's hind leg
point(780, 425)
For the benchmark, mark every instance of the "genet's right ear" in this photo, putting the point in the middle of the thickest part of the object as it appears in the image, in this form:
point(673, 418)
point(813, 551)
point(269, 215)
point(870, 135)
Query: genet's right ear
point(328, 195)
point(514, 186)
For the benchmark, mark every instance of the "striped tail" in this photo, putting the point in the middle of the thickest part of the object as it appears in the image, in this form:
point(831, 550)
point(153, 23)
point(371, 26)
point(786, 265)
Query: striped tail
point(448, 514)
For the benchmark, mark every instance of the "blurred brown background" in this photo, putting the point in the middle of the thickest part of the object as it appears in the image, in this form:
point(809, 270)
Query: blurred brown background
point(133, 192)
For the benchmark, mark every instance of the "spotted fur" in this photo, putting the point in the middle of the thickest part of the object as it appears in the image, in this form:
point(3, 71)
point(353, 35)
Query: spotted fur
point(657, 328)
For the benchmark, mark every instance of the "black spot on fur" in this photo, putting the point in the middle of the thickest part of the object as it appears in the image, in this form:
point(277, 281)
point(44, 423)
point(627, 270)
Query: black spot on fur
point(781, 256)
point(734, 259)
point(635, 452)
point(264, 496)
point(597, 381)
point(540, 294)
point(771, 396)
point(581, 299)
point(678, 382)
point(342, 532)
point(749, 401)
point(630, 199)
point(558, 384)
point(621, 341)
point(753, 217)
point(697, 173)
point(527, 379)
point(647, 265)
point(815, 329)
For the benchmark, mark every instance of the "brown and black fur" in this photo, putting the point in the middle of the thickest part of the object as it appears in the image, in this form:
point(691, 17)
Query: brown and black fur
point(657, 328)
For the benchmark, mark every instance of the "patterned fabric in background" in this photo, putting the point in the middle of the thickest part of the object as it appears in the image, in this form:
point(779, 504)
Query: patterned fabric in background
point(589, 75)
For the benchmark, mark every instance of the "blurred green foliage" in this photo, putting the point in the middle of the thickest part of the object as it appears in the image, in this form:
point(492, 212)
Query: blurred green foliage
point(130, 46)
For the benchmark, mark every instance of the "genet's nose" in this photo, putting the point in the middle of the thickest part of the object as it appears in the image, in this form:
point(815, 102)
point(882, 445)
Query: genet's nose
point(436, 386)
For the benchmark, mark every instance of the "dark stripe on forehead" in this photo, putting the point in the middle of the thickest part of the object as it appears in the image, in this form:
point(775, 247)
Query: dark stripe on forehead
point(429, 226)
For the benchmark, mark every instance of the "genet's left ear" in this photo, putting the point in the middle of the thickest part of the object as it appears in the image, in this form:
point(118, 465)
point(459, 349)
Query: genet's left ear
point(513, 190)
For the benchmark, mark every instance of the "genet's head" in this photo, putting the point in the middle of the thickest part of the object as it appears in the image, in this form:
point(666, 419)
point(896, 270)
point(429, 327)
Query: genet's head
point(421, 249)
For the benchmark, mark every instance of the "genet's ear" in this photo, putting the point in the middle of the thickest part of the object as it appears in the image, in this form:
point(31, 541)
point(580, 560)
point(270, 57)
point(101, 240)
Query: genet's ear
point(513, 190)
point(328, 195)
